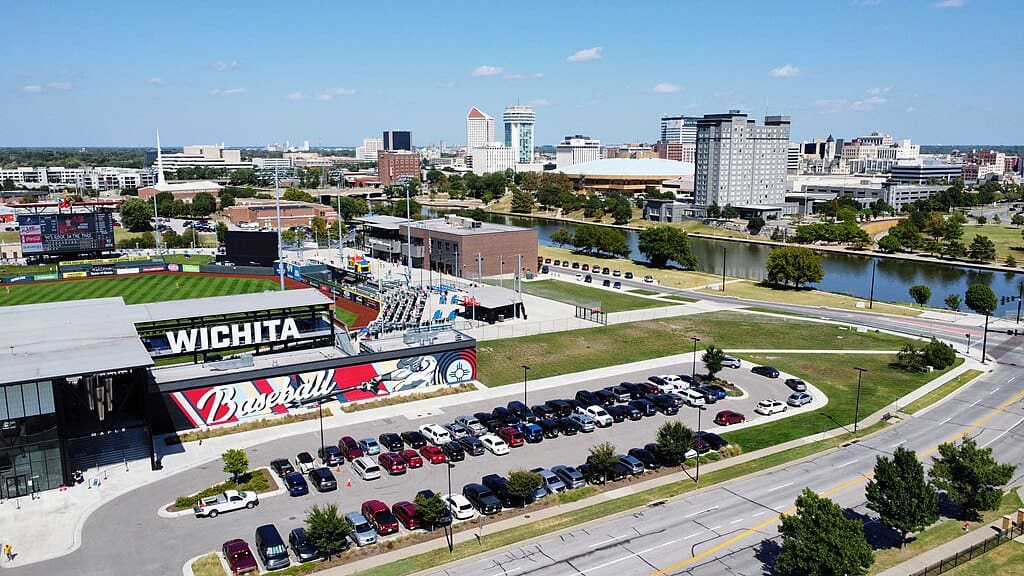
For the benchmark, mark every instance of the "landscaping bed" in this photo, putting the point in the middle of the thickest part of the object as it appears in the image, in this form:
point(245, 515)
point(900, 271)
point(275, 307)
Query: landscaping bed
point(259, 481)
point(191, 436)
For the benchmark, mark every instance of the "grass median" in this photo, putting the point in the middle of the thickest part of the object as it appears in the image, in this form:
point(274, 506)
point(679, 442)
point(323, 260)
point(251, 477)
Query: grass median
point(499, 362)
point(209, 565)
point(583, 295)
point(810, 297)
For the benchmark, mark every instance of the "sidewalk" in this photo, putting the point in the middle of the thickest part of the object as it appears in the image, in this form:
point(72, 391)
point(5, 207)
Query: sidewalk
point(940, 553)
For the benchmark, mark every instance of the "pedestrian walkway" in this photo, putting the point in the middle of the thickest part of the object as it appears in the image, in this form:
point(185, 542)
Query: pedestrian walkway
point(940, 553)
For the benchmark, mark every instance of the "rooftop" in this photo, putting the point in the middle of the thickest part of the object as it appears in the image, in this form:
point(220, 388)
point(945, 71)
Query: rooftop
point(640, 167)
point(186, 186)
point(217, 305)
point(452, 225)
point(382, 221)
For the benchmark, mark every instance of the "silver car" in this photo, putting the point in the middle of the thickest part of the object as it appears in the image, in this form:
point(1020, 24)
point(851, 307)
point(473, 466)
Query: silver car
point(634, 466)
point(363, 533)
point(797, 399)
point(552, 482)
point(570, 476)
point(730, 362)
point(586, 423)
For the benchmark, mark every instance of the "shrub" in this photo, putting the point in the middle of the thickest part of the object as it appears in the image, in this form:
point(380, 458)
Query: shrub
point(730, 451)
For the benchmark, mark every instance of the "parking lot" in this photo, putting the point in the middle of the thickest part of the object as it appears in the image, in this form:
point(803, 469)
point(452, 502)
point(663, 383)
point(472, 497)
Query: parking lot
point(289, 512)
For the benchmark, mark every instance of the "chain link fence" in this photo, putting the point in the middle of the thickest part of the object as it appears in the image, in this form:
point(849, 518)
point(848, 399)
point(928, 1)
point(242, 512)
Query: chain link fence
point(973, 552)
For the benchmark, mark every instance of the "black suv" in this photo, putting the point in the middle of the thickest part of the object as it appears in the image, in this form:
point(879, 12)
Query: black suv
point(635, 391)
point(330, 455)
point(561, 408)
point(393, 442)
point(664, 404)
point(549, 427)
point(505, 415)
point(588, 398)
point(472, 444)
point(454, 451)
point(497, 484)
point(617, 412)
point(542, 411)
point(568, 427)
point(521, 411)
point(414, 439)
point(282, 467)
point(590, 474)
point(323, 479)
point(766, 371)
point(606, 397)
point(649, 460)
point(481, 498)
point(645, 407)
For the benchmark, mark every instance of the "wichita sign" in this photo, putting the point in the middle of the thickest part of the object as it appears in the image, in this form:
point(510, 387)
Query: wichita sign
point(232, 336)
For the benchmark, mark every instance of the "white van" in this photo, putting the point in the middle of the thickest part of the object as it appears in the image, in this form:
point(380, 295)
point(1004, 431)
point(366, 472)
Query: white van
point(692, 397)
point(436, 433)
point(366, 468)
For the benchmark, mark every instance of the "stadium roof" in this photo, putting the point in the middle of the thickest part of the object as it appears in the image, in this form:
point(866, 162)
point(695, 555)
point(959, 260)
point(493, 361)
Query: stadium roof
point(638, 167)
point(494, 296)
point(217, 305)
point(382, 221)
point(41, 342)
point(199, 185)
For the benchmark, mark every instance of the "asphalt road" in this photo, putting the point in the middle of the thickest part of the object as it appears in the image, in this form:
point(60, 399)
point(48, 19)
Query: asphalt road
point(162, 545)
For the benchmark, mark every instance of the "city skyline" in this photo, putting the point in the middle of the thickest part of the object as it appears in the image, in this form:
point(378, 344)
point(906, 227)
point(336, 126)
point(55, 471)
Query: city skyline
point(254, 77)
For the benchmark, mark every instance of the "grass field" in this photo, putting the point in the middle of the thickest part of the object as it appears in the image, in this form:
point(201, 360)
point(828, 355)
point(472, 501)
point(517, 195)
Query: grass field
point(134, 289)
point(834, 375)
point(571, 293)
point(348, 318)
point(209, 565)
point(1007, 560)
point(500, 362)
point(754, 291)
point(1004, 236)
point(665, 277)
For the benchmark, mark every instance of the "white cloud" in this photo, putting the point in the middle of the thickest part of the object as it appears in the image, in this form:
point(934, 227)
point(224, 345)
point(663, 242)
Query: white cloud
point(538, 75)
point(911, 109)
point(32, 88)
point(221, 65)
point(330, 93)
point(540, 102)
point(867, 2)
point(295, 96)
point(227, 91)
point(59, 86)
point(785, 71)
point(156, 81)
point(665, 88)
point(950, 4)
point(487, 70)
point(876, 91)
point(586, 55)
point(868, 103)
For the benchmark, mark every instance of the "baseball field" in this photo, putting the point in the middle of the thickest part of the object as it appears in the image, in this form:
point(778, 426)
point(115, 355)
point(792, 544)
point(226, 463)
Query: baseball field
point(136, 289)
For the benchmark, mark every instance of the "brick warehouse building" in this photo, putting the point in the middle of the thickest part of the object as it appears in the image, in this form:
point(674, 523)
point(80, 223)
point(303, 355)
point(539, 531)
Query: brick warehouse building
point(456, 242)
point(292, 213)
point(397, 165)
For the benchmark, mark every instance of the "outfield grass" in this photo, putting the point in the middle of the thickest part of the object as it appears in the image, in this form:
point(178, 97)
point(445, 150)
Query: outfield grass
point(664, 276)
point(833, 374)
point(753, 291)
point(345, 316)
point(570, 293)
point(942, 391)
point(134, 289)
point(1004, 236)
point(500, 362)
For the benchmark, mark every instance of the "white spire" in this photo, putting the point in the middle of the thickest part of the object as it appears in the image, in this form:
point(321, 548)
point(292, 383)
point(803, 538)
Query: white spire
point(159, 162)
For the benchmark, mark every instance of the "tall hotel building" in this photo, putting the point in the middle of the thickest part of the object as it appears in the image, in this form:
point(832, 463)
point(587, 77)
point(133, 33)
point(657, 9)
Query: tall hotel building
point(519, 122)
point(739, 162)
point(479, 129)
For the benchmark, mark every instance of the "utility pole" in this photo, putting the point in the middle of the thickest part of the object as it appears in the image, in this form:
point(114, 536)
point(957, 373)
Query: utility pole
point(156, 222)
point(856, 412)
point(871, 296)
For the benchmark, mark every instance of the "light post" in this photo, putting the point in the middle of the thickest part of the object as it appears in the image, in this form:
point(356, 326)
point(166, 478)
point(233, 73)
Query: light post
point(525, 370)
point(693, 368)
point(871, 295)
point(856, 410)
point(723, 268)
point(984, 338)
point(968, 353)
point(700, 409)
point(449, 532)
point(280, 247)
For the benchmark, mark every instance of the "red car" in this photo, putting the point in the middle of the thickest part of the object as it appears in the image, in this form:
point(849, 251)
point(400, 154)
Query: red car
point(726, 417)
point(434, 454)
point(377, 512)
point(512, 436)
point(350, 448)
point(407, 514)
point(412, 458)
point(392, 462)
point(239, 557)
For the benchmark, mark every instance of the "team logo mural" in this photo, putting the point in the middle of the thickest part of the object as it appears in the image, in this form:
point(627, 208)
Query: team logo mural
point(215, 405)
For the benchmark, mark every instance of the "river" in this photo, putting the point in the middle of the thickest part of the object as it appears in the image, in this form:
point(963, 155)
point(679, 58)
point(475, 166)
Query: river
point(844, 273)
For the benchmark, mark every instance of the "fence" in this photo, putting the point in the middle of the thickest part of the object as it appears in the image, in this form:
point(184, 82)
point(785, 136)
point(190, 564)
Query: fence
point(1015, 529)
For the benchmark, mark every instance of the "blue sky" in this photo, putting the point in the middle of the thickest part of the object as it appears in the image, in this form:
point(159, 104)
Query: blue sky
point(112, 73)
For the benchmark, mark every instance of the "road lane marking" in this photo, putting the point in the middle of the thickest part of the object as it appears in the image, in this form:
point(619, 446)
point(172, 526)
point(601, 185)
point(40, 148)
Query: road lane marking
point(779, 487)
point(692, 535)
point(507, 572)
point(946, 420)
point(1012, 378)
point(722, 545)
point(612, 539)
point(848, 463)
point(715, 528)
point(1003, 433)
point(756, 514)
point(995, 390)
point(701, 512)
point(900, 443)
point(617, 560)
point(736, 521)
point(976, 402)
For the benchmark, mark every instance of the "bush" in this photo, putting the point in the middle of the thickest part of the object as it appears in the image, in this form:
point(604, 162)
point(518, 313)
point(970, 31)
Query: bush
point(939, 355)
point(730, 451)
point(256, 481)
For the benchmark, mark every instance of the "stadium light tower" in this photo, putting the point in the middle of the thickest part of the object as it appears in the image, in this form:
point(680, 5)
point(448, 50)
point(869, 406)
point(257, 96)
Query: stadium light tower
point(280, 253)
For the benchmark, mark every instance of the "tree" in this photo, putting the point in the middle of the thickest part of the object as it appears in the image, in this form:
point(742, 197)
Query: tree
point(236, 463)
point(938, 355)
point(532, 181)
point(729, 212)
point(663, 243)
point(243, 177)
point(319, 227)
point(794, 264)
point(523, 484)
point(818, 540)
point(910, 359)
point(9, 185)
point(548, 194)
point(674, 439)
point(980, 298)
point(136, 214)
point(1016, 219)
point(327, 529)
point(297, 195)
point(562, 236)
point(712, 359)
point(921, 294)
point(522, 201)
point(432, 509)
point(349, 208)
point(889, 244)
point(982, 249)
point(754, 224)
point(901, 495)
point(203, 204)
point(982, 219)
point(714, 210)
point(603, 458)
point(1011, 261)
point(222, 231)
point(970, 476)
point(953, 302)
point(227, 200)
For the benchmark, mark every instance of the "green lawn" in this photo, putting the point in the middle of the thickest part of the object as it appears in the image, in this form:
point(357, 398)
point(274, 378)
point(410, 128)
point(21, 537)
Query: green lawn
point(642, 292)
point(208, 565)
point(570, 293)
point(134, 289)
point(834, 375)
point(1004, 236)
point(755, 291)
point(500, 362)
point(344, 315)
point(1007, 560)
point(15, 270)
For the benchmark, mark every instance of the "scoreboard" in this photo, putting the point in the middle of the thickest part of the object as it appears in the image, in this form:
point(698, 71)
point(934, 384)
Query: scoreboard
point(66, 233)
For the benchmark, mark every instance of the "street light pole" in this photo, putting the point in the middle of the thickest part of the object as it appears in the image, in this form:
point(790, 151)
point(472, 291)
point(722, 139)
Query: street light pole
point(448, 529)
point(984, 339)
point(280, 254)
point(525, 370)
point(693, 368)
point(320, 407)
point(871, 297)
point(697, 477)
point(723, 268)
point(856, 412)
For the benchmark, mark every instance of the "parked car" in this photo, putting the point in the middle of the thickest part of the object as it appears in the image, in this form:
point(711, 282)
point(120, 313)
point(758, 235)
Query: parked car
point(471, 423)
point(619, 472)
point(769, 407)
point(796, 384)
point(628, 275)
point(617, 273)
point(472, 445)
point(551, 482)
point(414, 439)
point(330, 456)
point(433, 454)
point(797, 399)
point(453, 450)
point(635, 391)
point(648, 388)
point(488, 421)
point(585, 267)
point(714, 441)
point(366, 468)
point(605, 271)
point(392, 463)
point(523, 413)
point(560, 407)
point(585, 422)
point(436, 433)
point(766, 371)
point(270, 547)
point(531, 432)
point(591, 475)
point(709, 396)
point(305, 462)
point(731, 362)
point(446, 515)
point(506, 416)
point(571, 477)
point(412, 458)
point(369, 446)
point(588, 279)
point(512, 436)
point(239, 557)
point(664, 404)
point(549, 427)
point(588, 398)
point(481, 498)
point(458, 430)
point(605, 397)
point(727, 417)
point(617, 412)
point(498, 485)
point(407, 514)
point(606, 282)
point(667, 382)
point(693, 398)
point(575, 265)
point(635, 466)
point(649, 279)
point(656, 451)
point(362, 532)
point(599, 415)
point(303, 547)
point(322, 479)
point(350, 448)
point(568, 426)
point(644, 407)
point(719, 392)
point(460, 507)
point(380, 517)
point(391, 441)
point(494, 444)
point(282, 467)
point(617, 285)
point(649, 460)
point(620, 392)
point(541, 411)
point(296, 484)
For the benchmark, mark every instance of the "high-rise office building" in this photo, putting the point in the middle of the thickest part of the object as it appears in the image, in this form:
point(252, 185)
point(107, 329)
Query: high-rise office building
point(479, 129)
point(681, 129)
point(368, 151)
point(576, 150)
point(397, 140)
point(519, 123)
point(491, 157)
point(739, 162)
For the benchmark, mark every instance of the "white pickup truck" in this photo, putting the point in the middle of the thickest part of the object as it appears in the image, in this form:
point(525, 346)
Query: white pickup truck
point(225, 502)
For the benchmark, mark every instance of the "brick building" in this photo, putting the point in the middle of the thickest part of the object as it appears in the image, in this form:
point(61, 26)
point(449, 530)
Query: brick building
point(466, 247)
point(396, 166)
point(292, 213)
